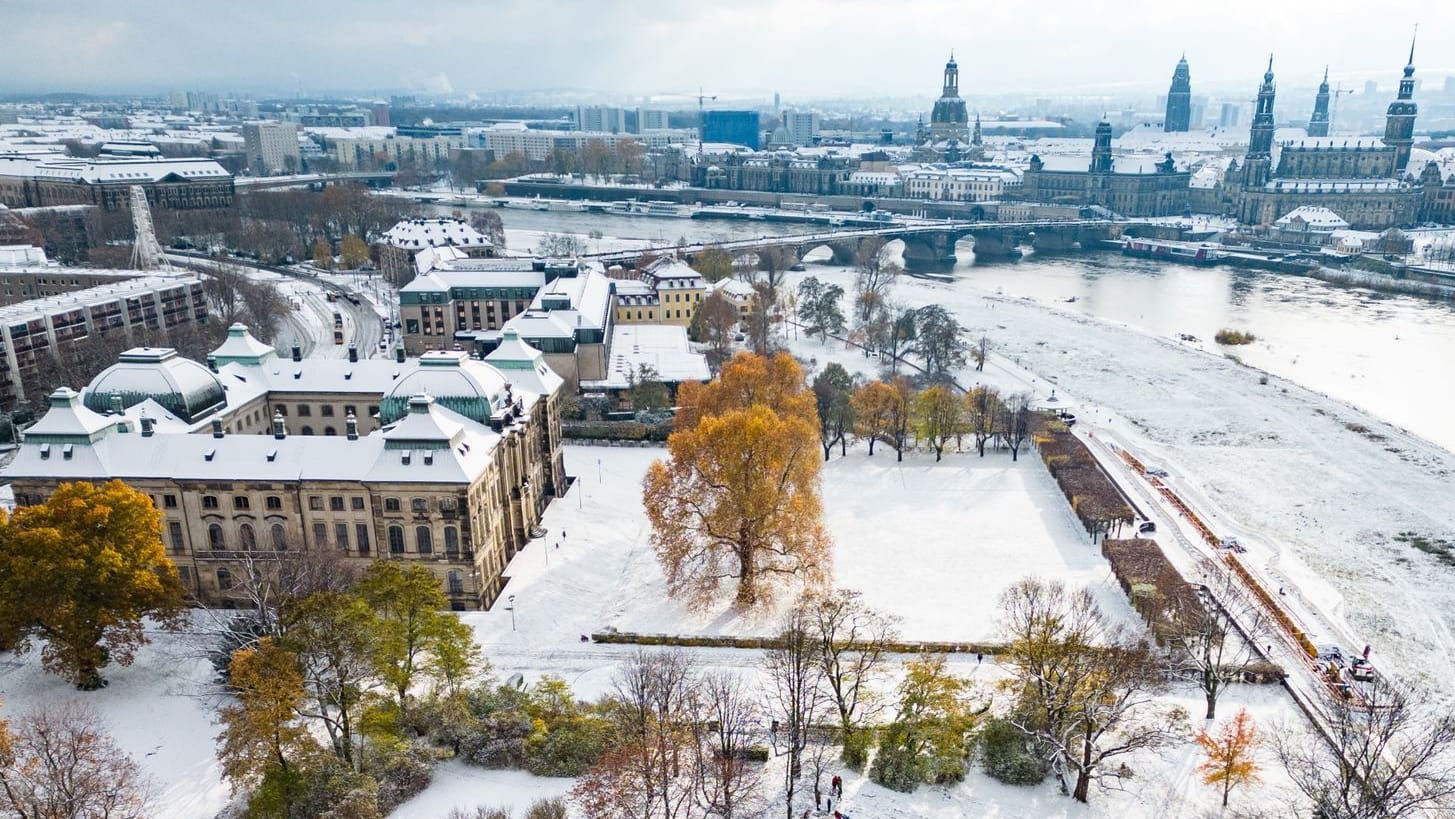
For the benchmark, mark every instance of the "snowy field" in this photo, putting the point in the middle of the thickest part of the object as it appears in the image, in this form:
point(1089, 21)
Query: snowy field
point(1320, 487)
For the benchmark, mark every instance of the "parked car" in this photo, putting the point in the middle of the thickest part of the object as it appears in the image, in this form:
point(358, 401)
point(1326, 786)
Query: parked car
point(1147, 528)
point(1156, 472)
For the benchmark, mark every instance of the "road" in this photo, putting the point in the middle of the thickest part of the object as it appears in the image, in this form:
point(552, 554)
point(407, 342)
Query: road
point(309, 324)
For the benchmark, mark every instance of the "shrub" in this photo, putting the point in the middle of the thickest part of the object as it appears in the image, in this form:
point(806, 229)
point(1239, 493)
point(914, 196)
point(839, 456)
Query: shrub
point(1005, 755)
point(547, 809)
point(1234, 337)
point(479, 813)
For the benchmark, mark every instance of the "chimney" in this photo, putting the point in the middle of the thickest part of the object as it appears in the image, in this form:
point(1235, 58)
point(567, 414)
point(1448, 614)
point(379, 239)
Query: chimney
point(297, 353)
point(351, 427)
point(212, 362)
point(146, 426)
point(399, 355)
point(279, 431)
point(217, 427)
point(116, 406)
point(353, 353)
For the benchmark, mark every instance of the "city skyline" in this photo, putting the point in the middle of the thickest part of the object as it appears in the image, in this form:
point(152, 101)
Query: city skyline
point(817, 48)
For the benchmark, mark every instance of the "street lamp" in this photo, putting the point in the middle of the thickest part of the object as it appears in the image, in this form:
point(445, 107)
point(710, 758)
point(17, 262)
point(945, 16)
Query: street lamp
point(510, 607)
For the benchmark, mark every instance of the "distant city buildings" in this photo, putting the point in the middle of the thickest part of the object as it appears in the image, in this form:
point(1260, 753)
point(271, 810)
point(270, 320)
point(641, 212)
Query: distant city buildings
point(1127, 185)
point(802, 127)
point(179, 184)
point(399, 244)
point(649, 119)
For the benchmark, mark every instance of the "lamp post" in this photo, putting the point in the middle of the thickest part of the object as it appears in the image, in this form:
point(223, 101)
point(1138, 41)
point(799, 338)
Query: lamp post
point(510, 607)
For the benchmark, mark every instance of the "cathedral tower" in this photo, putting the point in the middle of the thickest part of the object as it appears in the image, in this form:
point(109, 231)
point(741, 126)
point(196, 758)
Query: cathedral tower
point(1257, 167)
point(1179, 100)
point(950, 119)
point(1318, 124)
point(1399, 119)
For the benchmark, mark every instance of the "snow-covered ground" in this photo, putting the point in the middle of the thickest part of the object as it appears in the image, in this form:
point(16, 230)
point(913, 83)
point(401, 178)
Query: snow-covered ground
point(1323, 488)
point(160, 711)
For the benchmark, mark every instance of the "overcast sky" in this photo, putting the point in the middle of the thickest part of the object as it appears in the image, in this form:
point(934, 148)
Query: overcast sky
point(803, 48)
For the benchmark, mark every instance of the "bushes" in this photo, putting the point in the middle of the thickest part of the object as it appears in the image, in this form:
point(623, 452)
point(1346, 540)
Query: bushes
point(1005, 755)
point(1234, 337)
point(1094, 499)
point(541, 729)
point(1155, 588)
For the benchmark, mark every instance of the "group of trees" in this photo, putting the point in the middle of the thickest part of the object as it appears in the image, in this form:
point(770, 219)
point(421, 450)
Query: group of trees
point(737, 500)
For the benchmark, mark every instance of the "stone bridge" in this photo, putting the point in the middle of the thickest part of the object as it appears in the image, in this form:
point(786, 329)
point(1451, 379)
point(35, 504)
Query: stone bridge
point(928, 247)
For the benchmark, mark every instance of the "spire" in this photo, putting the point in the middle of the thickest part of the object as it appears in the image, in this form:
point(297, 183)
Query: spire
point(1409, 66)
point(1268, 76)
point(1326, 75)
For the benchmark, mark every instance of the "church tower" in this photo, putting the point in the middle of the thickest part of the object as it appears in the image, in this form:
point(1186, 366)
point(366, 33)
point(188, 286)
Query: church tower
point(1258, 166)
point(1318, 124)
point(949, 119)
point(1179, 100)
point(977, 145)
point(1101, 152)
point(1399, 119)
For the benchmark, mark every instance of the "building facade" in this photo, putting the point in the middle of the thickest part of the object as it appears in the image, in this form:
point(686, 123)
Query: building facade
point(178, 184)
point(732, 127)
point(400, 244)
point(1128, 185)
point(1318, 122)
point(35, 335)
point(271, 148)
point(950, 119)
point(455, 477)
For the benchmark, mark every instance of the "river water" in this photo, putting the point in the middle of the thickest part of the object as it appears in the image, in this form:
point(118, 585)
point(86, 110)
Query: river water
point(1391, 355)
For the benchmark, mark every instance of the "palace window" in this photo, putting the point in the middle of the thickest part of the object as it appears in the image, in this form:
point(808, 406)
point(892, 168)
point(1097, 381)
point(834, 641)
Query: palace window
point(423, 541)
point(209, 501)
point(215, 538)
point(249, 539)
point(280, 538)
point(396, 540)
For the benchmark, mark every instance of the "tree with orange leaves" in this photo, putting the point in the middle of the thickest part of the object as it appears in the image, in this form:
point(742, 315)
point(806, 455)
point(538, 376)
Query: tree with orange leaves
point(1230, 754)
point(748, 380)
point(738, 501)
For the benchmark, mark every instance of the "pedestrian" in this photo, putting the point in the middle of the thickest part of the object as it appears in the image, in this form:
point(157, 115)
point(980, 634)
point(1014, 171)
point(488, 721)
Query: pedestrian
point(831, 805)
point(978, 657)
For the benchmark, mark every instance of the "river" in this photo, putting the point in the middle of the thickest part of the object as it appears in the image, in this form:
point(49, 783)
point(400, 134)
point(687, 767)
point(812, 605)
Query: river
point(1390, 355)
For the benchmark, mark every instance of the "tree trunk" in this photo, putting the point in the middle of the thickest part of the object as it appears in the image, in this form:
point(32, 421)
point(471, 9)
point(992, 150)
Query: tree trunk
point(871, 444)
point(747, 586)
point(1210, 693)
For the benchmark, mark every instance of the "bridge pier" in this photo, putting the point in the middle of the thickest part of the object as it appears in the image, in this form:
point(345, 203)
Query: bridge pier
point(845, 253)
point(929, 253)
point(997, 246)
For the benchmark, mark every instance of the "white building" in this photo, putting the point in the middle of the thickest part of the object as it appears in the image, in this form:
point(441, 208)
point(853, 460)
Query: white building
point(802, 127)
point(649, 119)
point(377, 146)
point(959, 184)
point(271, 147)
point(603, 118)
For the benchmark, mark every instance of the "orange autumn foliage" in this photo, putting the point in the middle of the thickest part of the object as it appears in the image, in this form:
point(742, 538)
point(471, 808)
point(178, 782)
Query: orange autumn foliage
point(1229, 761)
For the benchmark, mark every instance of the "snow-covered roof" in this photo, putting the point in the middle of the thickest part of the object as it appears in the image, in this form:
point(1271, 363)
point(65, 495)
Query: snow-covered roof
point(36, 308)
point(467, 386)
point(1313, 218)
point(68, 420)
point(122, 171)
point(416, 234)
point(524, 365)
point(242, 348)
point(183, 386)
point(663, 347)
point(671, 273)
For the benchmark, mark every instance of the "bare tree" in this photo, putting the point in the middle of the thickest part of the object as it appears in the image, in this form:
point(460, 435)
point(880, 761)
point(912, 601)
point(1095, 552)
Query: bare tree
point(760, 321)
point(851, 641)
point(728, 717)
point(1015, 422)
point(1384, 758)
point(1206, 637)
point(58, 763)
point(983, 414)
point(1087, 691)
point(796, 696)
point(774, 262)
point(981, 352)
point(874, 274)
point(648, 772)
point(561, 245)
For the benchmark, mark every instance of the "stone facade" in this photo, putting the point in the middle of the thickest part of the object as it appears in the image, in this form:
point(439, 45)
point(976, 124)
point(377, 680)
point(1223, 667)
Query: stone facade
point(456, 478)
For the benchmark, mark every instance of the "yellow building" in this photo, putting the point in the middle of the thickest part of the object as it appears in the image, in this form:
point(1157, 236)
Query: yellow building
point(679, 289)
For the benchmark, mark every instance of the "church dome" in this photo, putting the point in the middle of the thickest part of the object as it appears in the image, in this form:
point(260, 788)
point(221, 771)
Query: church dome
point(453, 380)
point(181, 385)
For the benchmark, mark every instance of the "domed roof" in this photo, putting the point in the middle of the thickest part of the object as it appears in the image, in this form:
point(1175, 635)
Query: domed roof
point(465, 385)
point(181, 385)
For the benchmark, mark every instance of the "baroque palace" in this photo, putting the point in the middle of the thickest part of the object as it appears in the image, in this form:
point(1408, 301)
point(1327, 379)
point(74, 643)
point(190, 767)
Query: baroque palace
point(443, 460)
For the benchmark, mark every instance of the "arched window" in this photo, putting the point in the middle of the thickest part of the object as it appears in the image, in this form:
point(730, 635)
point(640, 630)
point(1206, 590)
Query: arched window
point(308, 430)
point(280, 538)
point(215, 537)
point(224, 579)
point(423, 542)
point(391, 504)
point(329, 431)
point(396, 540)
point(248, 538)
point(452, 541)
point(457, 583)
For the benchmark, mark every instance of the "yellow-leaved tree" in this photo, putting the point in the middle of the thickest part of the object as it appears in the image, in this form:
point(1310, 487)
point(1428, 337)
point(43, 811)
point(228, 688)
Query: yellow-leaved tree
point(737, 501)
point(1229, 753)
point(81, 572)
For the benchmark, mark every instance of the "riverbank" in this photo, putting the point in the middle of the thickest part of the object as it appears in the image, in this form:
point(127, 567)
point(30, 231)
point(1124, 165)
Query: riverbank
point(1328, 486)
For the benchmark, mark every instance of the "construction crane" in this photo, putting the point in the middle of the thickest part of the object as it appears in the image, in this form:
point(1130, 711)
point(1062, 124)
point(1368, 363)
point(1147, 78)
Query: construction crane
point(1339, 91)
point(702, 117)
point(146, 251)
